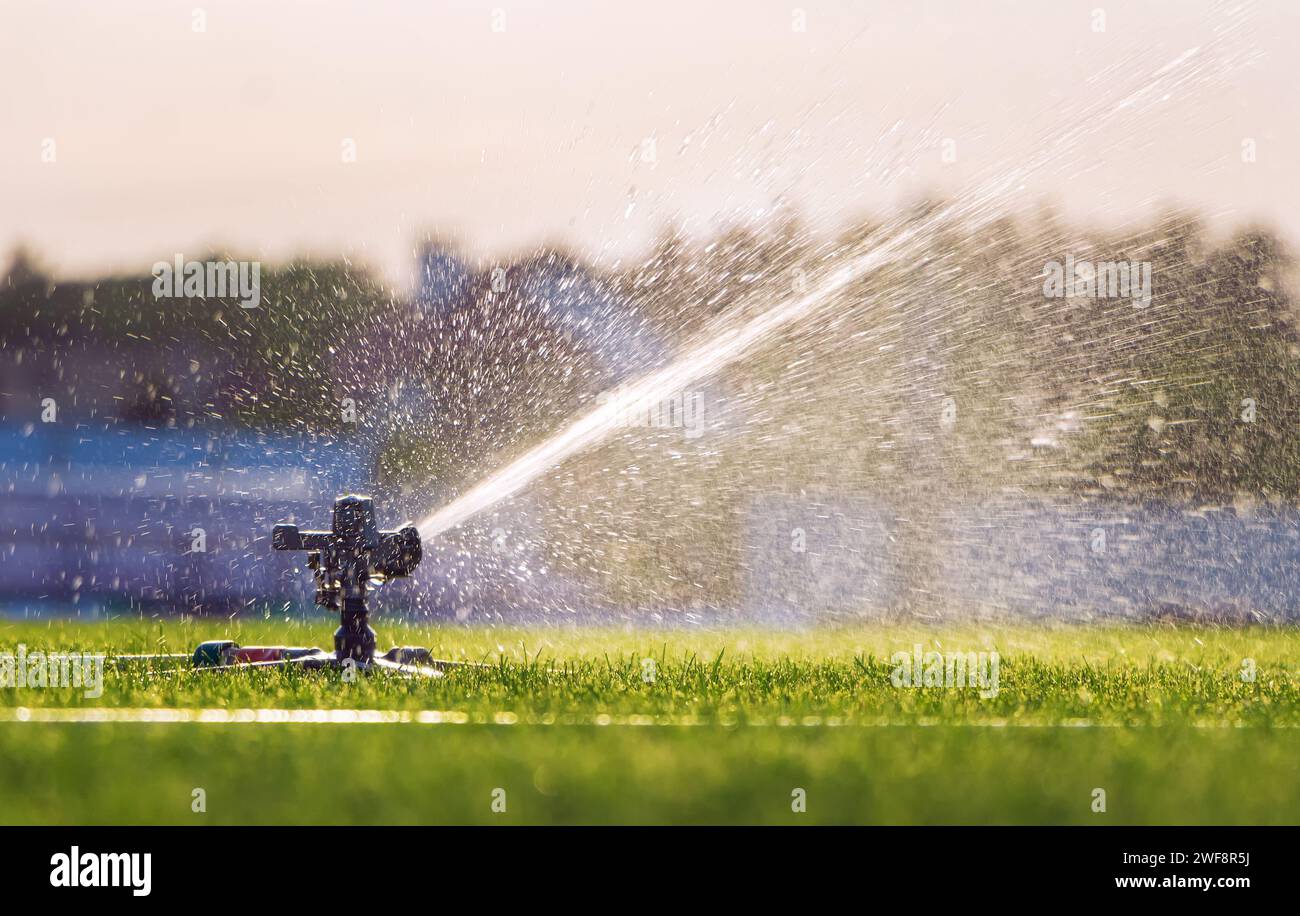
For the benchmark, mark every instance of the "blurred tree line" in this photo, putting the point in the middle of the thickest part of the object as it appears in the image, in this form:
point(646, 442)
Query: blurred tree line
point(197, 360)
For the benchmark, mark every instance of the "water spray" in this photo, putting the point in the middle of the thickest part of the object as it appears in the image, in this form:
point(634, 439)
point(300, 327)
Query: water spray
point(741, 331)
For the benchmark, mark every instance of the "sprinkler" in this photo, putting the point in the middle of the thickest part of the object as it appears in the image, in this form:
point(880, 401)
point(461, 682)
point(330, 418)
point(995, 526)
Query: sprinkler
point(345, 559)
point(353, 555)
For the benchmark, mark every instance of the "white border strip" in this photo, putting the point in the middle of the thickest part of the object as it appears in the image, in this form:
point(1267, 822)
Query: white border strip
point(94, 715)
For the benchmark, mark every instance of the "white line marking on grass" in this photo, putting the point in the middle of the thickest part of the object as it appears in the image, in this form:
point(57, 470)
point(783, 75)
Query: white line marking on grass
point(94, 715)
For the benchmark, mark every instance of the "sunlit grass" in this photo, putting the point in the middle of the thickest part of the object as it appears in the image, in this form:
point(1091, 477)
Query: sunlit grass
point(1110, 675)
point(739, 718)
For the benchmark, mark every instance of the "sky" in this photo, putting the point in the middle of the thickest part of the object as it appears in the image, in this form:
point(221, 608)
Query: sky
point(133, 131)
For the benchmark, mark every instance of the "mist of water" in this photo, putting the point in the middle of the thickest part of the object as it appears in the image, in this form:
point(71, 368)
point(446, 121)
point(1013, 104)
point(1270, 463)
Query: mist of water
point(741, 331)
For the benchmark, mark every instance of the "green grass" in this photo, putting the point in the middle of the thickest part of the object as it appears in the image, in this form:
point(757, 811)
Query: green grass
point(733, 721)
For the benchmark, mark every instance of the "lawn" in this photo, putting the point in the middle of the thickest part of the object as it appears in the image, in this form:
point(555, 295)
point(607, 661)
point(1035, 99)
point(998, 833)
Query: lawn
point(567, 724)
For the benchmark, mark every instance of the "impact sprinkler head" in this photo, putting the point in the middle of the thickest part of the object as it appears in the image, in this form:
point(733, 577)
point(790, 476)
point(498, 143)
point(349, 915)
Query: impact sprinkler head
point(345, 559)
point(351, 555)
